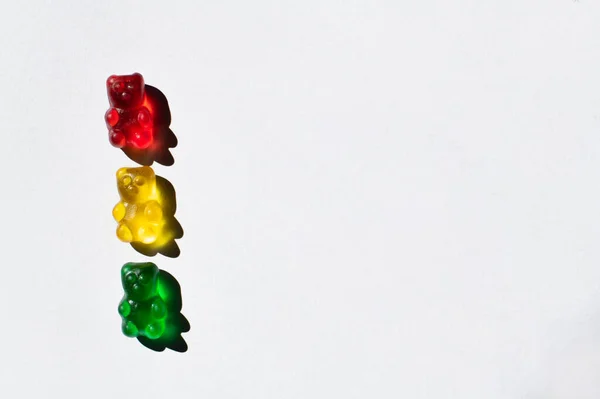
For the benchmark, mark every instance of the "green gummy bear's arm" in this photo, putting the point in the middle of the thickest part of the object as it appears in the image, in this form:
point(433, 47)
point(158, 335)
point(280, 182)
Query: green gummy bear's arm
point(124, 308)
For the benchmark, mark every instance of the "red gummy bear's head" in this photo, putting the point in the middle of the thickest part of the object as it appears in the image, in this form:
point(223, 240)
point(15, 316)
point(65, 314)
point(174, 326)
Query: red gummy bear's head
point(125, 91)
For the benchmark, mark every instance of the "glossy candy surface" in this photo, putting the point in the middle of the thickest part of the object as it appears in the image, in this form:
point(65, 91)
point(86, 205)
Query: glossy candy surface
point(146, 212)
point(150, 308)
point(143, 310)
point(139, 120)
point(129, 119)
point(139, 213)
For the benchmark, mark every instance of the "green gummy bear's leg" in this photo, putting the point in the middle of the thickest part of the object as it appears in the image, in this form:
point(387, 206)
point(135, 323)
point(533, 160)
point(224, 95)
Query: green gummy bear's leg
point(154, 330)
point(129, 329)
point(171, 337)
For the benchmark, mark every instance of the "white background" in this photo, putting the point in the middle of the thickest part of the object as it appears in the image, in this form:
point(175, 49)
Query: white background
point(381, 199)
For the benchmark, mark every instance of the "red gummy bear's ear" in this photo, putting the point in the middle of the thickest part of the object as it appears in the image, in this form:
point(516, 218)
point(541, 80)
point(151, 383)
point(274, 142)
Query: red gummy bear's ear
point(111, 79)
point(138, 76)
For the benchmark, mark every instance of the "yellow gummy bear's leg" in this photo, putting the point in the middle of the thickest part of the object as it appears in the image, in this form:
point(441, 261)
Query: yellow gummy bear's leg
point(124, 233)
point(147, 234)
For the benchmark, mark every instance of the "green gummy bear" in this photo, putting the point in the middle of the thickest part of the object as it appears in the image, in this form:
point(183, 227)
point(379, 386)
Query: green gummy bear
point(150, 308)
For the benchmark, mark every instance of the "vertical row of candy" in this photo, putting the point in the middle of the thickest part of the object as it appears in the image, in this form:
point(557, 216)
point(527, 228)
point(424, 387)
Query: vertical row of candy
point(138, 123)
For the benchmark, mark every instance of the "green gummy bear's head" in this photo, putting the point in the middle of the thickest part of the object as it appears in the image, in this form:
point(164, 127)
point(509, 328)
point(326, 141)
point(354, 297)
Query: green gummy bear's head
point(139, 280)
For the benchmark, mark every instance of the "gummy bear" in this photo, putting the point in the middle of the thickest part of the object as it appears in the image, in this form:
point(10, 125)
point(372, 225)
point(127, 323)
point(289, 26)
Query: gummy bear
point(139, 212)
point(151, 306)
point(142, 309)
point(138, 120)
point(146, 212)
point(129, 120)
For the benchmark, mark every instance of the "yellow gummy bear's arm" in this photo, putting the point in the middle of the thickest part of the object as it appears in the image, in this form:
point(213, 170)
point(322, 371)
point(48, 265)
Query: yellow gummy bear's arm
point(119, 211)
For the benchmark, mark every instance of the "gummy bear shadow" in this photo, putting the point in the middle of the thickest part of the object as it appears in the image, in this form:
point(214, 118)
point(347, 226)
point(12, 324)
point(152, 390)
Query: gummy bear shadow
point(172, 227)
point(164, 138)
point(176, 323)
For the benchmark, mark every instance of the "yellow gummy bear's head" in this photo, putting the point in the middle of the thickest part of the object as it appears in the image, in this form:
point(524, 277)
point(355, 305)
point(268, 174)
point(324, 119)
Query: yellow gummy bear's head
point(136, 184)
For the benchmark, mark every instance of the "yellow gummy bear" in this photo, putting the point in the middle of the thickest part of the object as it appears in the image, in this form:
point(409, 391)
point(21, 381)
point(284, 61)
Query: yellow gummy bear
point(139, 213)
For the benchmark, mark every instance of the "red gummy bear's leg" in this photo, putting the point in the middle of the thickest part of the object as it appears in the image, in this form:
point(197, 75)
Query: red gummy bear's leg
point(116, 138)
point(141, 139)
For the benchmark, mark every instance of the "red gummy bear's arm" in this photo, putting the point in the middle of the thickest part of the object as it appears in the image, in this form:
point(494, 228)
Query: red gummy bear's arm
point(144, 116)
point(111, 117)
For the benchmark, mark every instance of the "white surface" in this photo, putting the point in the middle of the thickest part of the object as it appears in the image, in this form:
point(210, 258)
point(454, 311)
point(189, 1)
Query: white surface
point(381, 199)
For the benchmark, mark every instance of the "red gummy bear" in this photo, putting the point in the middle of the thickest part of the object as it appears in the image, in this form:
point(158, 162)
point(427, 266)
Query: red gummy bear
point(129, 120)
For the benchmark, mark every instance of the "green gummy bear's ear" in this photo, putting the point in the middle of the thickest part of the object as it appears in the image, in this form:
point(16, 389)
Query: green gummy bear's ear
point(126, 268)
point(153, 267)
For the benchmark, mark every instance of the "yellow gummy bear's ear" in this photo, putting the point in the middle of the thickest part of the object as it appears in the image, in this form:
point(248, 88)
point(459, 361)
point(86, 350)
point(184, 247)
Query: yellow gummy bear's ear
point(147, 172)
point(121, 172)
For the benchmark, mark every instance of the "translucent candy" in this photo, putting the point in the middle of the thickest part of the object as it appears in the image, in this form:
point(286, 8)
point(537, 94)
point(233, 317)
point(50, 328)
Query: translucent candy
point(129, 120)
point(139, 213)
point(139, 119)
point(146, 213)
point(151, 306)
